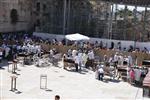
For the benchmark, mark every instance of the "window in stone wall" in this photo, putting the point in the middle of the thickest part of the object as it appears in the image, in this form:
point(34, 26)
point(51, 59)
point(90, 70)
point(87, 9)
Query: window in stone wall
point(38, 23)
point(31, 13)
point(38, 6)
point(44, 7)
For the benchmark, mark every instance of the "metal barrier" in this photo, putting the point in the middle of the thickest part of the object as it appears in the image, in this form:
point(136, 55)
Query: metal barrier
point(43, 81)
point(13, 83)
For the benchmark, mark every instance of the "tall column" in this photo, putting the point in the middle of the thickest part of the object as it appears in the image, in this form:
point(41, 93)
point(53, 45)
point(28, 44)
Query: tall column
point(116, 10)
point(145, 19)
point(51, 16)
point(125, 19)
point(107, 14)
point(111, 21)
point(64, 17)
point(135, 21)
point(68, 16)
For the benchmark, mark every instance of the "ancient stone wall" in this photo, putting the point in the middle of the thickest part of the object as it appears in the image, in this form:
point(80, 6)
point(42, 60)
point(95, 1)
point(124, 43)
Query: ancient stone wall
point(82, 16)
point(24, 13)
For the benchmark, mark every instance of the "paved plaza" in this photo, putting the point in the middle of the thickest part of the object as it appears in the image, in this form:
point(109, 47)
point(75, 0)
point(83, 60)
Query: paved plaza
point(67, 84)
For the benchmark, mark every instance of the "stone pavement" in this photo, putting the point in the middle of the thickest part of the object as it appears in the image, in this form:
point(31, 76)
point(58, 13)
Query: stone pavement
point(67, 84)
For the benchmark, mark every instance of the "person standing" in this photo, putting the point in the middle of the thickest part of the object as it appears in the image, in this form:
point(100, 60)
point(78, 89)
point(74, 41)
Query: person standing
point(130, 61)
point(137, 76)
point(7, 49)
point(132, 76)
point(121, 60)
point(84, 57)
point(91, 58)
point(74, 52)
point(100, 73)
point(1, 55)
point(116, 58)
point(80, 54)
point(76, 60)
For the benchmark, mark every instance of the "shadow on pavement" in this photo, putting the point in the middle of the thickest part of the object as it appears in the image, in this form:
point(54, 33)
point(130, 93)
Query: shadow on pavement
point(48, 90)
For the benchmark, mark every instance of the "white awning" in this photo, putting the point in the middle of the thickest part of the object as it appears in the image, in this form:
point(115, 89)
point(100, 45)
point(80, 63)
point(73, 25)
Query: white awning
point(76, 37)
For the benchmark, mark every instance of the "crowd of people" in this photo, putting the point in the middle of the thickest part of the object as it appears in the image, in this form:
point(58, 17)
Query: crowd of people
point(80, 58)
point(136, 75)
point(83, 57)
point(19, 38)
point(22, 44)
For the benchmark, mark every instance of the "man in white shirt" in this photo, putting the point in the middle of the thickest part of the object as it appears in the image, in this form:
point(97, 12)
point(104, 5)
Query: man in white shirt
point(74, 52)
point(51, 53)
point(76, 60)
point(130, 61)
point(84, 57)
point(39, 50)
point(80, 54)
point(100, 73)
point(121, 60)
point(116, 58)
point(7, 49)
point(91, 55)
point(137, 75)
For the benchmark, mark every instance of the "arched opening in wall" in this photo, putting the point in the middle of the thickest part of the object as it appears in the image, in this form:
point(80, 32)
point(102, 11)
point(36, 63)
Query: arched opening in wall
point(44, 7)
point(14, 16)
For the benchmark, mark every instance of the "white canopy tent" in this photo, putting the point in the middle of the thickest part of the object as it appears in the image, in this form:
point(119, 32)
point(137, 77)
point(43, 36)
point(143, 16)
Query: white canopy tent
point(76, 37)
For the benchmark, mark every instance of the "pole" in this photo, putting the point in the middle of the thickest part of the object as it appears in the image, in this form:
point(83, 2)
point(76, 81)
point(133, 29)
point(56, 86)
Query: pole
point(68, 16)
point(15, 83)
point(11, 84)
point(135, 18)
point(116, 11)
point(64, 20)
point(106, 21)
point(111, 20)
point(145, 19)
point(125, 19)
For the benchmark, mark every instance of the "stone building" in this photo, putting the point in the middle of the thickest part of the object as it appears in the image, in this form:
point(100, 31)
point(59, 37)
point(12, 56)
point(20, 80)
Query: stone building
point(48, 16)
point(16, 15)
point(82, 16)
